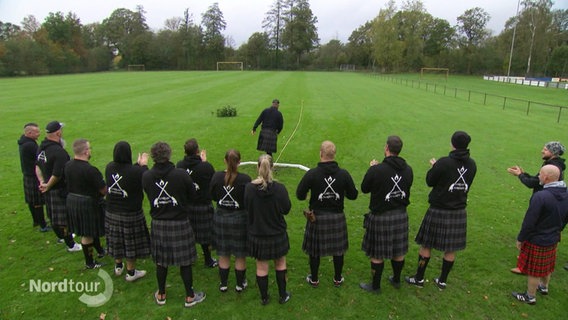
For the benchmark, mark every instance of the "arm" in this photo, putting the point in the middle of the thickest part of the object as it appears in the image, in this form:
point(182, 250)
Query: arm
point(303, 188)
point(351, 192)
point(285, 204)
point(257, 122)
point(528, 180)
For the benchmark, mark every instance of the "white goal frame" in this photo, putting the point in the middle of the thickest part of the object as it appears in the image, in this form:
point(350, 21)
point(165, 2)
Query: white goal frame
point(136, 67)
point(446, 70)
point(238, 63)
point(347, 67)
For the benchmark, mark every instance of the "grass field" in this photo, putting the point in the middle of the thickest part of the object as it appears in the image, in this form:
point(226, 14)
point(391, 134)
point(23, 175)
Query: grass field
point(357, 112)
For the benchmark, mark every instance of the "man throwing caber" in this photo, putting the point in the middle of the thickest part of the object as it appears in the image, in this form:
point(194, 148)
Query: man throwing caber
point(272, 124)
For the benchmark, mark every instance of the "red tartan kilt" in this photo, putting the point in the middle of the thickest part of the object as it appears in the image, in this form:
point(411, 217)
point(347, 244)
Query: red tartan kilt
point(536, 261)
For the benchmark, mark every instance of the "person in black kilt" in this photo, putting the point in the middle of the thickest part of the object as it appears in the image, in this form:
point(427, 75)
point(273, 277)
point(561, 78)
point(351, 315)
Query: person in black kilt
point(169, 191)
point(272, 124)
point(201, 209)
point(125, 225)
point(266, 202)
point(386, 224)
point(326, 228)
point(50, 167)
point(27, 145)
point(86, 189)
point(444, 226)
point(230, 220)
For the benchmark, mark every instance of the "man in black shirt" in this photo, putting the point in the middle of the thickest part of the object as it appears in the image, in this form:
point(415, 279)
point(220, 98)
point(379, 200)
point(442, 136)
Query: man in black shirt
point(272, 124)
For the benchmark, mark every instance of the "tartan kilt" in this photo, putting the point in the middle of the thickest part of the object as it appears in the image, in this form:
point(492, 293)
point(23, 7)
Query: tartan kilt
point(172, 243)
point(230, 229)
point(443, 230)
point(127, 235)
point(386, 234)
point(55, 204)
point(201, 218)
point(32, 195)
point(85, 216)
point(268, 247)
point(536, 261)
point(327, 236)
point(267, 140)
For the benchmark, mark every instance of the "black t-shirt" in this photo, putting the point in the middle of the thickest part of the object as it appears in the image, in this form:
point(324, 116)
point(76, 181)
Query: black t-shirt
point(28, 154)
point(51, 159)
point(84, 179)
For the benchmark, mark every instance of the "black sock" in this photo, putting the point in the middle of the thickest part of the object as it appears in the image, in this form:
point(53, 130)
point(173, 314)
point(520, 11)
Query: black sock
point(314, 267)
point(88, 253)
point(262, 283)
point(377, 272)
point(61, 233)
point(397, 270)
point(187, 277)
point(119, 265)
point(131, 272)
point(422, 264)
point(161, 276)
point(39, 216)
point(206, 253)
point(241, 277)
point(97, 245)
point(446, 268)
point(281, 282)
point(224, 276)
point(338, 267)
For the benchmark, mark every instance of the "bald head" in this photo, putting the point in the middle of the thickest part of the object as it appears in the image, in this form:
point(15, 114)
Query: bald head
point(327, 151)
point(548, 173)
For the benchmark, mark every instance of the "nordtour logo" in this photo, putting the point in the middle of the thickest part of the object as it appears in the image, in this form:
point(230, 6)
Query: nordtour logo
point(89, 289)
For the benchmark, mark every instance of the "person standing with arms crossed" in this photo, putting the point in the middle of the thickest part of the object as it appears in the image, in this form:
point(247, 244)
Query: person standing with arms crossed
point(272, 124)
point(326, 228)
point(267, 202)
point(27, 144)
point(444, 226)
point(386, 225)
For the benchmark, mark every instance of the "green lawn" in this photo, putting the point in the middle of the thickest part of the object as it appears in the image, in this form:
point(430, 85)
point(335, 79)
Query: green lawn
point(357, 112)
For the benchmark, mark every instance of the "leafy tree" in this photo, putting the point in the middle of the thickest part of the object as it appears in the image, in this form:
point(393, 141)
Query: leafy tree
point(213, 25)
point(472, 26)
point(300, 33)
point(124, 31)
point(331, 55)
point(8, 30)
point(360, 46)
point(273, 24)
point(256, 50)
point(387, 48)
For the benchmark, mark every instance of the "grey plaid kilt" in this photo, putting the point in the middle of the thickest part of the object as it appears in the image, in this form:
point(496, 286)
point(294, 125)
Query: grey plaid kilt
point(230, 229)
point(201, 218)
point(127, 235)
point(32, 195)
point(55, 203)
point(386, 234)
point(327, 236)
point(443, 230)
point(172, 242)
point(85, 216)
point(267, 140)
point(268, 247)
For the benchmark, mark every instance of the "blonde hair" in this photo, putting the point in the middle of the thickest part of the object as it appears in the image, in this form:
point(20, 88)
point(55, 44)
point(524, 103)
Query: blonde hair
point(264, 172)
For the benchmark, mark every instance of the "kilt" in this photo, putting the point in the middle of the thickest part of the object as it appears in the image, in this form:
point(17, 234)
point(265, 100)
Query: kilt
point(201, 218)
point(386, 234)
point(267, 140)
point(230, 229)
point(127, 235)
point(536, 261)
point(268, 247)
point(56, 207)
point(327, 236)
point(443, 230)
point(32, 195)
point(172, 243)
point(85, 216)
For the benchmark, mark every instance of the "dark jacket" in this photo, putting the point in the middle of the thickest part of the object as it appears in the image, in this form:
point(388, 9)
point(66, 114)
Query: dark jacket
point(271, 118)
point(546, 216)
point(451, 178)
point(389, 183)
point(266, 209)
point(51, 159)
point(229, 197)
point(328, 185)
point(28, 154)
point(533, 182)
point(201, 173)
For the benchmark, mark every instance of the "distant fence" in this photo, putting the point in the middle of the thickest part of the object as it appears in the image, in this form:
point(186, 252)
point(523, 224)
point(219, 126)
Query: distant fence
point(557, 83)
point(479, 97)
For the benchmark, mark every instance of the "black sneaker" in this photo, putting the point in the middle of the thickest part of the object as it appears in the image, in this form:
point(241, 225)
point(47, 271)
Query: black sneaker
point(94, 265)
point(369, 288)
point(211, 263)
point(542, 289)
point(524, 297)
point(285, 298)
point(396, 285)
point(101, 254)
point(414, 281)
point(264, 301)
point(441, 285)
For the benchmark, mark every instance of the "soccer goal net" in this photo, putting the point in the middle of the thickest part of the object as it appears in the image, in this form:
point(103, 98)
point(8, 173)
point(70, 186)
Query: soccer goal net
point(432, 73)
point(229, 66)
point(136, 67)
point(347, 67)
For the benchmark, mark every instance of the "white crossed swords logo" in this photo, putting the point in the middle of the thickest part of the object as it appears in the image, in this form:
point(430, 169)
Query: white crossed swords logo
point(329, 181)
point(194, 184)
point(117, 177)
point(162, 185)
point(231, 202)
point(461, 172)
point(396, 179)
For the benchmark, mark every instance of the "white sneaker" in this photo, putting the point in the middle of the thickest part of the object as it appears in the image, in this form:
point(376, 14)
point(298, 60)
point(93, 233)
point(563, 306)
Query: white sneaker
point(118, 271)
point(76, 247)
point(137, 275)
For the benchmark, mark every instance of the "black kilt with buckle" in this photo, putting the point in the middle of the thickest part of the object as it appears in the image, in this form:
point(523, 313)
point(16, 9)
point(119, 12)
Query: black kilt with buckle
point(85, 216)
point(268, 247)
point(201, 218)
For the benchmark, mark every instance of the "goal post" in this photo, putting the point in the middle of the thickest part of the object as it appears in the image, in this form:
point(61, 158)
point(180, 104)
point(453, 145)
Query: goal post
point(437, 71)
point(229, 65)
point(136, 67)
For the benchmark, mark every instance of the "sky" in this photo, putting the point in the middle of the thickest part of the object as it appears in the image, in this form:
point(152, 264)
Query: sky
point(336, 18)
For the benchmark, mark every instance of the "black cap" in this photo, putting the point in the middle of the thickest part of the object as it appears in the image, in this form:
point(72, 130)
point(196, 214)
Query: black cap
point(53, 126)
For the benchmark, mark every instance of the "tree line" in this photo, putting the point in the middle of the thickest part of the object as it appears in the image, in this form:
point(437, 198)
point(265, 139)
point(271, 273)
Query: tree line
point(533, 43)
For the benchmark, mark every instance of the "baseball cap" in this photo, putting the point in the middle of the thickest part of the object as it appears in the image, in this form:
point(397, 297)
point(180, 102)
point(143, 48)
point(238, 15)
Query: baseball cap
point(53, 126)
